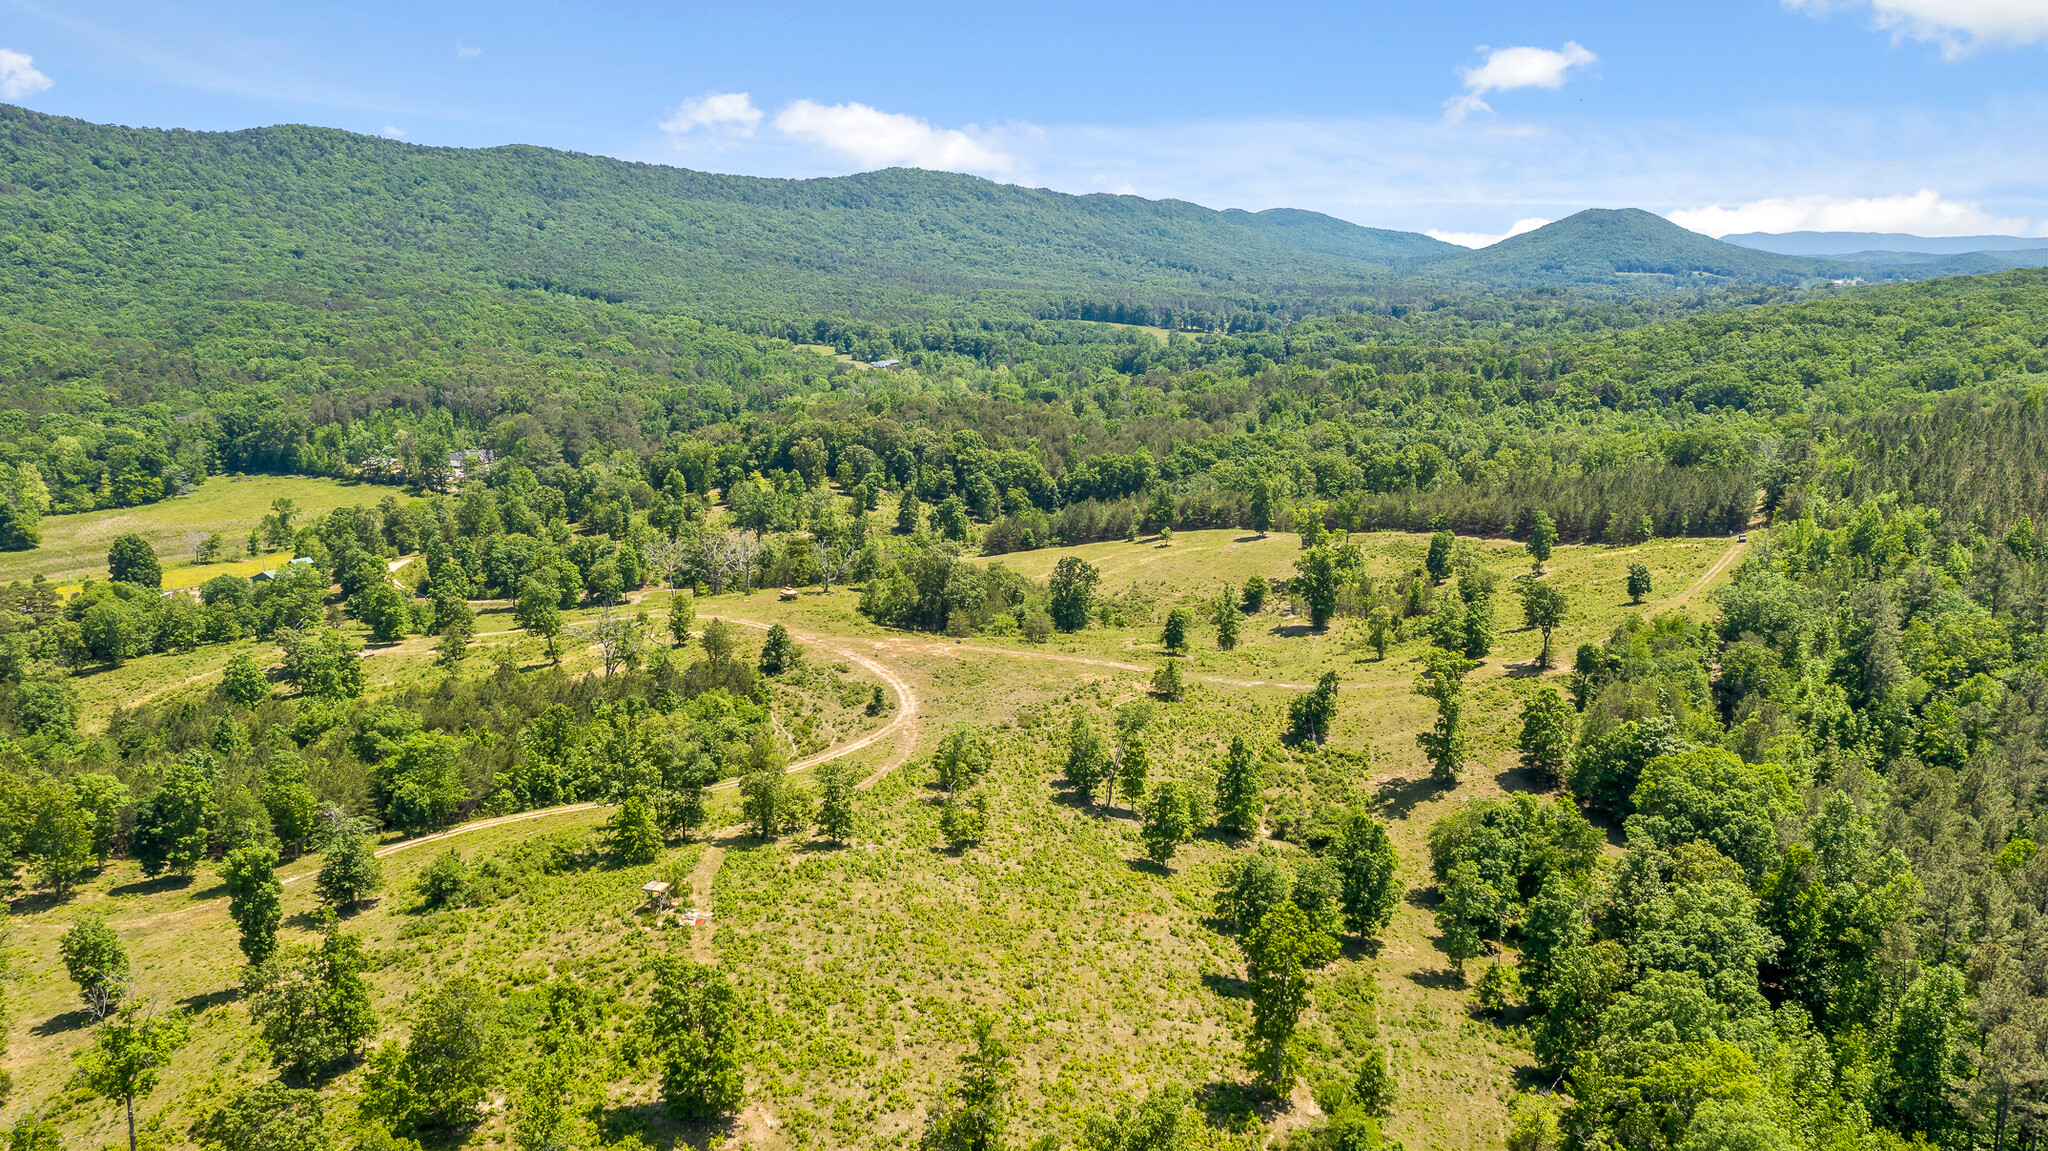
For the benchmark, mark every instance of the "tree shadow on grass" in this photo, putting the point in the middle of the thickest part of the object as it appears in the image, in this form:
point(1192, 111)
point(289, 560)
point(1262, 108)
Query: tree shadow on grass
point(1438, 979)
point(1294, 630)
point(1521, 779)
point(207, 1000)
point(1226, 986)
point(157, 886)
point(1230, 1106)
point(72, 1020)
point(217, 891)
point(35, 902)
point(1352, 947)
point(1527, 669)
point(1395, 798)
point(652, 1123)
point(1145, 866)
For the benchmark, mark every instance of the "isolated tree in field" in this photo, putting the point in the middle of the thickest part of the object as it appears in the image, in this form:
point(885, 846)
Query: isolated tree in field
point(1543, 608)
point(764, 790)
point(1072, 592)
point(720, 640)
point(1087, 758)
point(244, 681)
point(682, 616)
point(1175, 636)
point(1262, 507)
point(836, 780)
point(1546, 736)
point(1169, 821)
point(1228, 620)
point(96, 961)
point(1310, 714)
point(173, 826)
point(130, 559)
point(961, 758)
point(1374, 1085)
point(1167, 680)
point(1443, 680)
point(255, 898)
point(1542, 540)
point(457, 623)
point(1364, 859)
point(1255, 592)
point(970, 1114)
point(1279, 951)
point(1638, 581)
point(1437, 561)
point(779, 653)
point(443, 1075)
point(1379, 630)
point(965, 819)
point(350, 873)
point(313, 1008)
point(696, 1023)
point(630, 836)
point(539, 613)
point(1477, 620)
point(127, 1056)
point(1240, 790)
point(1133, 764)
point(1317, 584)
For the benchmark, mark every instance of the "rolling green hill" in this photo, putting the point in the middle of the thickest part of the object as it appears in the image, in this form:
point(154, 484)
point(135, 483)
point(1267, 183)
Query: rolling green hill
point(1600, 245)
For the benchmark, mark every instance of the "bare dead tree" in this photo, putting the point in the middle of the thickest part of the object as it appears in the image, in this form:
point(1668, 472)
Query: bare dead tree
point(833, 557)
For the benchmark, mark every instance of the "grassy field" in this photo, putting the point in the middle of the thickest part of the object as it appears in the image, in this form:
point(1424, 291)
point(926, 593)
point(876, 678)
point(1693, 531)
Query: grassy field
point(1109, 974)
point(74, 547)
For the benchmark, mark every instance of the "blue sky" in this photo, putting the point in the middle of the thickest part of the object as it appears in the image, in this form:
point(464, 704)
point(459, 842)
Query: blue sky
point(1467, 119)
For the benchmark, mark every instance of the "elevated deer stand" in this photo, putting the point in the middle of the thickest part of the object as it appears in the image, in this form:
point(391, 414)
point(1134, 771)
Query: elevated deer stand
point(657, 897)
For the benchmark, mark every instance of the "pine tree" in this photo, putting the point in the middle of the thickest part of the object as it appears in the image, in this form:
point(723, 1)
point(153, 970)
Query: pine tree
point(1175, 636)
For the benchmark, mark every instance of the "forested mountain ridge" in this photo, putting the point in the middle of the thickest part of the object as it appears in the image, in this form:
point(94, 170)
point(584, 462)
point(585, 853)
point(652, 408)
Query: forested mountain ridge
point(96, 219)
point(108, 214)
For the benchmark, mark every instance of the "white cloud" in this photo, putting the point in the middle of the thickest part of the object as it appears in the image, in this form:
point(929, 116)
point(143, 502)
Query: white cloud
point(18, 76)
point(1923, 213)
point(877, 139)
point(731, 113)
point(1957, 25)
point(1487, 239)
point(467, 52)
point(393, 133)
point(1506, 69)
